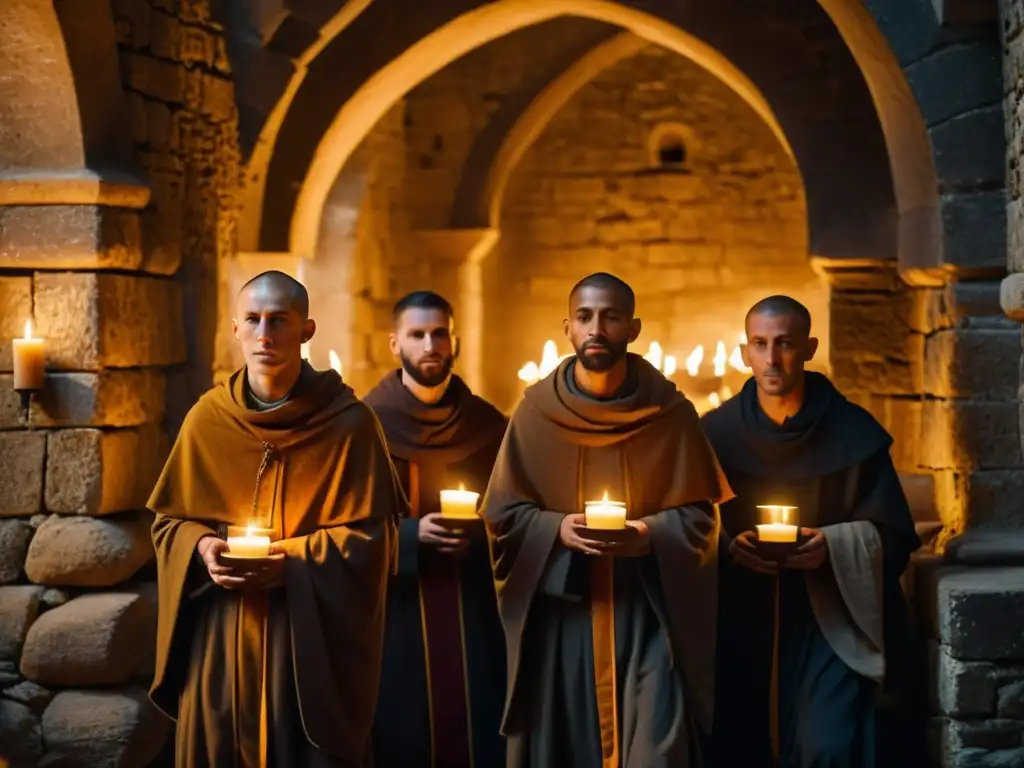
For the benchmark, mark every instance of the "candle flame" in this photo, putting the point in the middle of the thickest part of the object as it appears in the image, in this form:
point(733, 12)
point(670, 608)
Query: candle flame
point(335, 360)
point(604, 499)
point(670, 365)
point(720, 359)
point(28, 329)
point(304, 351)
point(250, 530)
point(654, 355)
point(694, 359)
point(462, 487)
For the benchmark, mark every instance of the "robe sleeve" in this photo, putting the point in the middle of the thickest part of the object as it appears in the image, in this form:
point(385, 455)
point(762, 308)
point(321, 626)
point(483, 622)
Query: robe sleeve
point(335, 581)
point(408, 548)
point(175, 544)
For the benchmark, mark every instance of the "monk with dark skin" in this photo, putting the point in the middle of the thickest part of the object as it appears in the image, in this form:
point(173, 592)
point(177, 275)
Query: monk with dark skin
point(273, 661)
point(610, 645)
point(443, 679)
point(807, 643)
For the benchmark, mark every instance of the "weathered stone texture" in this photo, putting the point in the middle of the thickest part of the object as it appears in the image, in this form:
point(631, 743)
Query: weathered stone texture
point(19, 606)
point(93, 320)
point(982, 364)
point(974, 227)
point(32, 695)
point(88, 551)
point(14, 538)
point(16, 301)
point(94, 472)
point(20, 734)
point(110, 398)
point(69, 237)
point(22, 455)
point(971, 435)
point(98, 639)
point(965, 689)
point(104, 729)
point(981, 615)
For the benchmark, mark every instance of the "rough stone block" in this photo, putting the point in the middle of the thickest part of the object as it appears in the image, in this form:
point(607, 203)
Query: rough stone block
point(1015, 235)
point(89, 551)
point(16, 301)
point(960, 304)
point(105, 729)
point(99, 639)
point(962, 735)
point(1011, 700)
point(974, 69)
point(70, 237)
point(981, 614)
point(963, 434)
point(20, 734)
point(965, 688)
point(110, 398)
point(19, 606)
point(982, 363)
point(970, 149)
point(994, 499)
point(974, 229)
point(93, 321)
point(977, 757)
point(14, 538)
point(93, 472)
point(32, 695)
point(22, 456)
point(163, 80)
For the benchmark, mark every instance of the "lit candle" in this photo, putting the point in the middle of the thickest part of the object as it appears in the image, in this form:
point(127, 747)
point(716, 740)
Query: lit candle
point(460, 504)
point(779, 528)
point(248, 543)
point(28, 361)
point(605, 515)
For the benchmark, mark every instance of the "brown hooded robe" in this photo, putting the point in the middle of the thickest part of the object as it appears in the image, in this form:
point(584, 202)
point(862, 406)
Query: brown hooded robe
point(611, 660)
point(286, 676)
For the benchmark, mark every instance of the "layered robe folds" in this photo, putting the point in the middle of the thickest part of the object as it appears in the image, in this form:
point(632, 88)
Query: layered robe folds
point(610, 659)
point(285, 676)
point(803, 655)
point(443, 677)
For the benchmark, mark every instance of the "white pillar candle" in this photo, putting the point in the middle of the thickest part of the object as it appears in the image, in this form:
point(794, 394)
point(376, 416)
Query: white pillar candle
point(460, 504)
point(29, 359)
point(605, 515)
point(777, 532)
point(249, 542)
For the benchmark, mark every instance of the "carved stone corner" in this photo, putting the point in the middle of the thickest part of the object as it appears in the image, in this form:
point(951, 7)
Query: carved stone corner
point(858, 274)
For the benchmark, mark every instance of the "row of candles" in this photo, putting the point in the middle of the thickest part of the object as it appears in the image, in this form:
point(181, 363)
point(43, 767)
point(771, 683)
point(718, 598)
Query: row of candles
point(604, 514)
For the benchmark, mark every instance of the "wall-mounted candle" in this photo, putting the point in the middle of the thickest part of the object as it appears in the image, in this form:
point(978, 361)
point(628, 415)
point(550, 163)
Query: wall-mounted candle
point(460, 504)
point(780, 526)
point(29, 359)
point(605, 515)
point(248, 541)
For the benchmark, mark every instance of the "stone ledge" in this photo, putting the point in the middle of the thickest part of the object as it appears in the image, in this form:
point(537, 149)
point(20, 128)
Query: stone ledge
point(93, 472)
point(96, 320)
point(110, 398)
point(981, 614)
point(72, 187)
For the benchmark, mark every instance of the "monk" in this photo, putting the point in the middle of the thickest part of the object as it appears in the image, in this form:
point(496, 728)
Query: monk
point(803, 648)
point(610, 644)
point(273, 661)
point(443, 679)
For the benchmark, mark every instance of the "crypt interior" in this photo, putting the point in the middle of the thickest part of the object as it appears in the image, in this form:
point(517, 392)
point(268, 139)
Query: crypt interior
point(859, 155)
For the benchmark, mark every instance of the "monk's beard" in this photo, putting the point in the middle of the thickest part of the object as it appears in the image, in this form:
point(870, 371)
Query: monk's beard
point(611, 353)
point(434, 379)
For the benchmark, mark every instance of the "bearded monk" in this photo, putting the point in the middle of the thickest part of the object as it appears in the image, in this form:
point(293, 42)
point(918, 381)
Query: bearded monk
point(805, 642)
point(610, 645)
point(443, 679)
point(274, 661)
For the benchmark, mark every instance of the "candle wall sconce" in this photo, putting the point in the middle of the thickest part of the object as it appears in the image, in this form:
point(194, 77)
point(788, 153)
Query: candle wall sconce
point(29, 368)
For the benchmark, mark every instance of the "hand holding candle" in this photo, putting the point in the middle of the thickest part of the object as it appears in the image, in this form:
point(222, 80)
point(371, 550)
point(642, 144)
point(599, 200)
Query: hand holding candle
point(248, 542)
point(605, 515)
point(780, 526)
point(460, 504)
point(29, 359)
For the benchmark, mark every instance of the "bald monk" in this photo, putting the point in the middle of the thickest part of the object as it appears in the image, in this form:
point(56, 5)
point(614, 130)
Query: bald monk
point(273, 662)
point(610, 646)
point(803, 648)
point(443, 679)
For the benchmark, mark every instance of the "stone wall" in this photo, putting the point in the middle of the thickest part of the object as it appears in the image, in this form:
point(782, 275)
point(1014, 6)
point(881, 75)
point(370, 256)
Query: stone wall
point(104, 258)
point(699, 242)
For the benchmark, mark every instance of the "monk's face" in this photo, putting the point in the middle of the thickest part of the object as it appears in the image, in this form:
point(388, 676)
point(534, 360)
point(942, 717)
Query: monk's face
point(423, 341)
point(778, 346)
point(270, 328)
point(600, 327)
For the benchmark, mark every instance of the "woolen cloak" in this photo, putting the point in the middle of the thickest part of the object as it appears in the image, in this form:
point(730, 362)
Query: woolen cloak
point(802, 655)
point(610, 659)
point(286, 676)
point(443, 676)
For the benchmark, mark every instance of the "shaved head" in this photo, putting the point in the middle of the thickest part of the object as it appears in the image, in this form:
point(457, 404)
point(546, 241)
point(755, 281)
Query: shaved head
point(625, 299)
point(782, 306)
point(285, 286)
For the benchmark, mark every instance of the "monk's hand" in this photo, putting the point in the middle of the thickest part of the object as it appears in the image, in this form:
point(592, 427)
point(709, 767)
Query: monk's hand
point(744, 552)
point(810, 555)
point(210, 549)
point(637, 545)
point(447, 542)
point(568, 532)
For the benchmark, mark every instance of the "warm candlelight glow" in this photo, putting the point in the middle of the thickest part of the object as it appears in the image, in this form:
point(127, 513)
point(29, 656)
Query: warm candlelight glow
point(29, 360)
point(335, 360)
point(604, 514)
point(781, 526)
point(460, 504)
point(248, 542)
point(694, 359)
